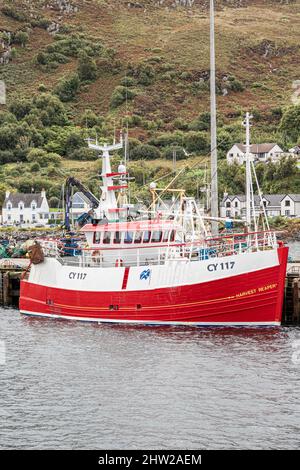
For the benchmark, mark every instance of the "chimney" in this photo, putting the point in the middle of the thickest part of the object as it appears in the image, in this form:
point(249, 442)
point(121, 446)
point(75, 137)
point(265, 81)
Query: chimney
point(7, 193)
point(43, 193)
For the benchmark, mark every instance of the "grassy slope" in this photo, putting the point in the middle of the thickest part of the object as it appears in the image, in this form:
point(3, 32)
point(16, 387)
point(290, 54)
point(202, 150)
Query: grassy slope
point(180, 37)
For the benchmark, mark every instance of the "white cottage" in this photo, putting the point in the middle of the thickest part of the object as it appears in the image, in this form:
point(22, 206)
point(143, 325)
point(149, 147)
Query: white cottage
point(287, 205)
point(19, 208)
point(80, 204)
point(290, 205)
point(259, 152)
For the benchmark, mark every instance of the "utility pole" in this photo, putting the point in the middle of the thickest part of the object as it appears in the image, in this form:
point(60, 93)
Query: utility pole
point(213, 126)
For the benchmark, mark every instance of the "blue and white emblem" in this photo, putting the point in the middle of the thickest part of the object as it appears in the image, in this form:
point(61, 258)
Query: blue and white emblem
point(145, 274)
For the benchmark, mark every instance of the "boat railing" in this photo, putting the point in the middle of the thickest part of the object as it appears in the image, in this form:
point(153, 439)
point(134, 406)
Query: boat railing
point(199, 250)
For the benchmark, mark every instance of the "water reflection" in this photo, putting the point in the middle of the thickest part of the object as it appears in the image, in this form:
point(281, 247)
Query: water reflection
point(69, 384)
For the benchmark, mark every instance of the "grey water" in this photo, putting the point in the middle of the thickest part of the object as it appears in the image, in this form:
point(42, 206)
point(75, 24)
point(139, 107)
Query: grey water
point(68, 385)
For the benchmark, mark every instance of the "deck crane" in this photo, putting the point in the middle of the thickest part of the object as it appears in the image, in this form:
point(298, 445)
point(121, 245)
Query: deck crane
point(86, 217)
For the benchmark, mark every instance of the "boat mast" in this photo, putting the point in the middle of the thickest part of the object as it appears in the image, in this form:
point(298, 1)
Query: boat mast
point(213, 125)
point(248, 171)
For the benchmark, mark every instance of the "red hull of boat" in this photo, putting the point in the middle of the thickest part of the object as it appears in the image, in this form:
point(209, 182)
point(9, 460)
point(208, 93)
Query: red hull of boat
point(252, 298)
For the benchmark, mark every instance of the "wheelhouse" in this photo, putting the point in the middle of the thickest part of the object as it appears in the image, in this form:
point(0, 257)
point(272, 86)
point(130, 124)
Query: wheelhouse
point(133, 234)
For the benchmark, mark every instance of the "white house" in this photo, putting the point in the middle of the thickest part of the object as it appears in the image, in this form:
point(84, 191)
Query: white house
point(288, 205)
point(259, 152)
point(295, 150)
point(19, 208)
point(80, 204)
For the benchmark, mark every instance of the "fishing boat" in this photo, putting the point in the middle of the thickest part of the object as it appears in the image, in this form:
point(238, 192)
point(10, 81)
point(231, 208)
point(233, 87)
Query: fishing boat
point(165, 267)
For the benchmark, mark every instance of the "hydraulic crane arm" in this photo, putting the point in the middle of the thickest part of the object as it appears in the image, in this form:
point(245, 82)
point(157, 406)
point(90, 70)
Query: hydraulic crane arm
point(73, 182)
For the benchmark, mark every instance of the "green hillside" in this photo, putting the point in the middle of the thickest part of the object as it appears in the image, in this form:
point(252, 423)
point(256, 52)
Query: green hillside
point(79, 68)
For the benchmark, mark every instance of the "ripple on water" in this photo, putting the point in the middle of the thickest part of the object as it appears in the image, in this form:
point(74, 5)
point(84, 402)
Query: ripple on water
point(74, 385)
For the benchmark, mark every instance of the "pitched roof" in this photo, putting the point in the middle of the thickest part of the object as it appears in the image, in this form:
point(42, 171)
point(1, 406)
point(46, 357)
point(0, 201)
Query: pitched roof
point(27, 199)
point(257, 148)
point(294, 197)
point(82, 197)
point(273, 199)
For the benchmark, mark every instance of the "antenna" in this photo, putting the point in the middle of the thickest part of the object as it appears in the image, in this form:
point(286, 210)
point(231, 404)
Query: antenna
point(213, 120)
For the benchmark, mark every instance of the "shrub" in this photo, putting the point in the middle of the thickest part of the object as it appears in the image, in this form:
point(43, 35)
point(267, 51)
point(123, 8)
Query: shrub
point(128, 82)
point(20, 108)
point(54, 202)
point(143, 73)
point(290, 123)
point(35, 167)
point(43, 158)
point(74, 142)
point(13, 13)
point(235, 85)
point(196, 142)
point(50, 110)
point(83, 153)
point(90, 119)
point(168, 139)
point(7, 118)
point(87, 68)
point(169, 153)
point(145, 152)
point(6, 156)
point(67, 88)
point(21, 37)
point(119, 96)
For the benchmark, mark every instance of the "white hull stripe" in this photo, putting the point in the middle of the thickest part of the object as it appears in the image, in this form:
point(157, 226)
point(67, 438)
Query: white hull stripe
point(142, 322)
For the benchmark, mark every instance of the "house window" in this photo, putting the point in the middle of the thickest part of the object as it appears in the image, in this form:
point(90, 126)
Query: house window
point(228, 204)
point(228, 214)
point(21, 206)
point(33, 216)
point(9, 217)
point(287, 212)
point(9, 206)
point(287, 203)
point(33, 207)
point(236, 204)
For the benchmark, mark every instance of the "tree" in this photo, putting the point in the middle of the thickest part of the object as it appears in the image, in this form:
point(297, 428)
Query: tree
point(290, 123)
point(197, 142)
point(145, 152)
point(50, 109)
point(20, 108)
point(67, 88)
point(43, 158)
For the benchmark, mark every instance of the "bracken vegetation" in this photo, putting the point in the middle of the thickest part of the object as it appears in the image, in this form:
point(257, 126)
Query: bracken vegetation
point(98, 66)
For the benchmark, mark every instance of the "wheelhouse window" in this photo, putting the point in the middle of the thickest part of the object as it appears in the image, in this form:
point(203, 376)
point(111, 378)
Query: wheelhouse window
point(106, 238)
point(117, 237)
point(147, 236)
point(97, 237)
point(138, 237)
point(128, 237)
point(156, 236)
point(166, 236)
